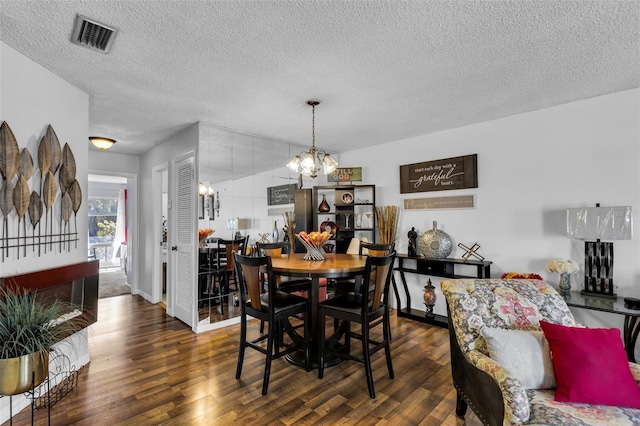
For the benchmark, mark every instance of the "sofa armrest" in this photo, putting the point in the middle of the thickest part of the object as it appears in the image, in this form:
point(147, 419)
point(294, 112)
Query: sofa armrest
point(516, 402)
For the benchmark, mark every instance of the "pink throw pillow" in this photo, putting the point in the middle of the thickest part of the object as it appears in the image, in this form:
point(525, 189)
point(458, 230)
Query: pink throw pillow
point(591, 366)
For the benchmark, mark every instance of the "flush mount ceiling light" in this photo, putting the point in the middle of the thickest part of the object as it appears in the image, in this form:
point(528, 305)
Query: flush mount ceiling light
point(101, 143)
point(310, 162)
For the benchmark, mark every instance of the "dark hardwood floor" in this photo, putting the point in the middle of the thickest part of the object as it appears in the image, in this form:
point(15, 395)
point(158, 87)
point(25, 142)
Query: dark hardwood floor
point(150, 369)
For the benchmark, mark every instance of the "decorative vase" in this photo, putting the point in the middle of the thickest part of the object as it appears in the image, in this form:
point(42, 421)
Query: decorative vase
point(429, 298)
point(565, 284)
point(435, 244)
point(16, 374)
point(324, 206)
point(275, 235)
point(329, 226)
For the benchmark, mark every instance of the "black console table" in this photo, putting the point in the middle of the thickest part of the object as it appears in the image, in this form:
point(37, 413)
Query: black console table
point(437, 268)
point(614, 306)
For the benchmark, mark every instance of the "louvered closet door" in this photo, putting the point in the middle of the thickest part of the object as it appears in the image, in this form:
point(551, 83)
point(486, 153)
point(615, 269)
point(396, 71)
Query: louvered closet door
point(184, 255)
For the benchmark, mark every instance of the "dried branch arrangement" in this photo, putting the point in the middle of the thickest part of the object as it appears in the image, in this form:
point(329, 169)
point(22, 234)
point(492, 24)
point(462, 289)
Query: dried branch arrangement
point(17, 200)
point(387, 218)
point(290, 228)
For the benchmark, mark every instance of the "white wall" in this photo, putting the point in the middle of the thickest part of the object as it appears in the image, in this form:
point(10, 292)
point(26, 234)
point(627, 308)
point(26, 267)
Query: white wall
point(530, 168)
point(180, 144)
point(113, 163)
point(246, 196)
point(31, 98)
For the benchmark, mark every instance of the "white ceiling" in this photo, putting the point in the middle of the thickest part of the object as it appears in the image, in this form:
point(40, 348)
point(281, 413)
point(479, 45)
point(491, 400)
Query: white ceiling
point(384, 70)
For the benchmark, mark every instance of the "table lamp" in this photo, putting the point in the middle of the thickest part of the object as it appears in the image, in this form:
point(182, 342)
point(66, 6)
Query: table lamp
point(599, 223)
point(236, 224)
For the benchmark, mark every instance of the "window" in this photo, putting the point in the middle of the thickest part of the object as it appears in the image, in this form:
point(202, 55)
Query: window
point(103, 213)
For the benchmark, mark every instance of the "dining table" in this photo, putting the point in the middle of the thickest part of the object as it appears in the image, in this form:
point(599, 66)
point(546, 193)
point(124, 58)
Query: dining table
point(334, 265)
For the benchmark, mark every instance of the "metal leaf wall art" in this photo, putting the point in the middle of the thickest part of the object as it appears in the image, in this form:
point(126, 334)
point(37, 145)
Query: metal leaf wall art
point(54, 143)
point(17, 200)
point(35, 213)
point(6, 205)
point(9, 152)
point(21, 203)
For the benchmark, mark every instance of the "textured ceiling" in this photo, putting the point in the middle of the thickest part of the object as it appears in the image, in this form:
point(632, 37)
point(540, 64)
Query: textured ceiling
point(384, 70)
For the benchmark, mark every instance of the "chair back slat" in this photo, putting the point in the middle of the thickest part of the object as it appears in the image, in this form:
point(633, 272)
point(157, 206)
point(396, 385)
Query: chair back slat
point(275, 252)
point(251, 276)
point(273, 249)
point(225, 248)
point(248, 272)
point(381, 274)
point(377, 277)
point(374, 249)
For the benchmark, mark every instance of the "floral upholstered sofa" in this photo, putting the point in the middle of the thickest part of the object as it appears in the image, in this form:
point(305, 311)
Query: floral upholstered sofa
point(479, 306)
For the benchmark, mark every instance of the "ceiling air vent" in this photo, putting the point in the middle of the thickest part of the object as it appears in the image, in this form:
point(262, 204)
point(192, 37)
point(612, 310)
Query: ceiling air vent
point(92, 34)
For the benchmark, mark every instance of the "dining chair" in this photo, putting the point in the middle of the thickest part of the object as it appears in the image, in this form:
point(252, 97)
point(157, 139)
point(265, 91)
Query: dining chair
point(365, 248)
point(223, 271)
point(273, 307)
point(369, 307)
point(285, 283)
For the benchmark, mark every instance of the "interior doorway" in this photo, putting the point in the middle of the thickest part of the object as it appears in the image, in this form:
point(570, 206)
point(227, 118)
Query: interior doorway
point(111, 227)
point(161, 281)
point(165, 232)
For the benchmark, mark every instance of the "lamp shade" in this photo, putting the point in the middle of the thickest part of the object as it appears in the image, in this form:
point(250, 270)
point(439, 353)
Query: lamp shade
point(329, 165)
point(600, 223)
point(294, 163)
point(101, 143)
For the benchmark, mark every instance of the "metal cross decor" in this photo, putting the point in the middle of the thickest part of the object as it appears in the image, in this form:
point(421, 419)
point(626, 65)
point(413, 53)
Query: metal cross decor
point(471, 251)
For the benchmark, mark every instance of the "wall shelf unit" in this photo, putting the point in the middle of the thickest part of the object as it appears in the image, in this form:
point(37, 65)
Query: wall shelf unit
point(352, 205)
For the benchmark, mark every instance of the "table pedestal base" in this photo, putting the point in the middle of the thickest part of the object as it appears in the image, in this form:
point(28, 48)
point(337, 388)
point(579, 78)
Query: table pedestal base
point(297, 358)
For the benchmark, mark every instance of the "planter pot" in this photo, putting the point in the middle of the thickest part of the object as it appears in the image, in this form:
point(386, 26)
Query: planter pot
point(16, 373)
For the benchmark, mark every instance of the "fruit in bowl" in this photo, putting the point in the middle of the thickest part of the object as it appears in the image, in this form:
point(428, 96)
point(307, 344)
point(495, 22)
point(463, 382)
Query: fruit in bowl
point(315, 238)
point(204, 233)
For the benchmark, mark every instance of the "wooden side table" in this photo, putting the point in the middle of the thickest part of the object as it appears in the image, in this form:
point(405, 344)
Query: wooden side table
point(614, 306)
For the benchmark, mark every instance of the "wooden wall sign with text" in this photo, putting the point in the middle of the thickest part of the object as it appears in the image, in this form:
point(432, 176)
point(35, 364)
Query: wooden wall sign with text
point(440, 175)
point(434, 203)
point(346, 174)
point(283, 194)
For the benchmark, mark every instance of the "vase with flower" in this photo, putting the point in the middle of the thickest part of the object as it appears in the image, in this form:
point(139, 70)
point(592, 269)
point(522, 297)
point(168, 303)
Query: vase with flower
point(564, 267)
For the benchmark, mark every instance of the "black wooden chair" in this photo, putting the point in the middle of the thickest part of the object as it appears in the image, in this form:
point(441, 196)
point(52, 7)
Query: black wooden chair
point(285, 283)
point(224, 269)
point(369, 306)
point(370, 249)
point(273, 307)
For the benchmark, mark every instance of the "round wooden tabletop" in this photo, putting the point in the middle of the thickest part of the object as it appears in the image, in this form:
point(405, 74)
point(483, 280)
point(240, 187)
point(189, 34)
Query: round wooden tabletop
point(333, 265)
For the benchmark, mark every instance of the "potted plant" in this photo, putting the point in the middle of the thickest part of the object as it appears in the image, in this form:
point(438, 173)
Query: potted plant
point(28, 330)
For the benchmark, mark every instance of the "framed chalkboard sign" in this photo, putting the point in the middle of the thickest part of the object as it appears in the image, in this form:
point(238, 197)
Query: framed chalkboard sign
point(282, 194)
point(440, 175)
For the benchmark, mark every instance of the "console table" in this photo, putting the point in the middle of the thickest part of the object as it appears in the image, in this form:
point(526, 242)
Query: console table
point(614, 306)
point(436, 268)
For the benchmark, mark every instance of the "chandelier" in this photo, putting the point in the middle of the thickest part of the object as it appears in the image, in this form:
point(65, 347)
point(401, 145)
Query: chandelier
point(310, 162)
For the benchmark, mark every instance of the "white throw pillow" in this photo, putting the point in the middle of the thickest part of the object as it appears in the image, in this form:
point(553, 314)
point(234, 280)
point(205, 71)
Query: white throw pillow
point(525, 355)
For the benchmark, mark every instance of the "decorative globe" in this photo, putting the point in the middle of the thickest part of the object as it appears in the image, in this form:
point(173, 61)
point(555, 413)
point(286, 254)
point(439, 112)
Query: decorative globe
point(435, 244)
